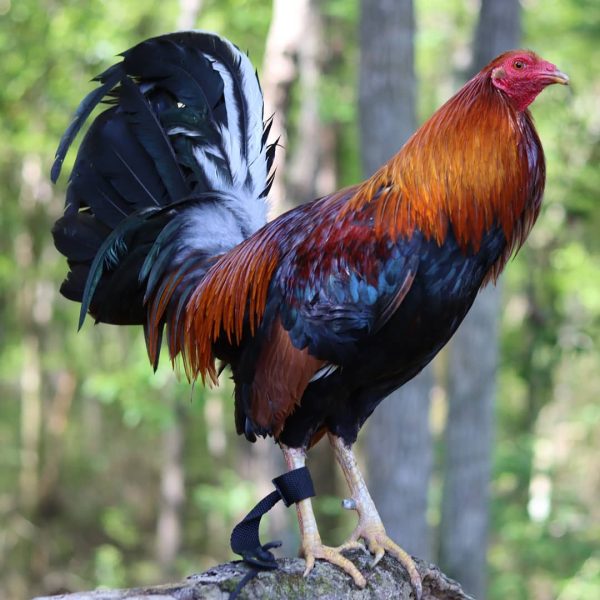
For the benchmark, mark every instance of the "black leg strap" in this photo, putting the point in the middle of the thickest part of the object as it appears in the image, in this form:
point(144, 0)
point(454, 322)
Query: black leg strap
point(290, 487)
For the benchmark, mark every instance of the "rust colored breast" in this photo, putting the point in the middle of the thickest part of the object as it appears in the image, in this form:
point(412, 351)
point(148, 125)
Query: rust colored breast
point(282, 374)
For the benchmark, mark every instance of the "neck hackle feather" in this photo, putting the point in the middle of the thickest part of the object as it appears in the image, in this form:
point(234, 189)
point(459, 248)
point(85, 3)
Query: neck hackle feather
point(469, 167)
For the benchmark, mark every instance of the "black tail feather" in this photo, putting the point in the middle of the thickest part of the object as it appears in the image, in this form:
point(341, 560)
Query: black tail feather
point(109, 79)
point(172, 173)
point(145, 125)
point(113, 174)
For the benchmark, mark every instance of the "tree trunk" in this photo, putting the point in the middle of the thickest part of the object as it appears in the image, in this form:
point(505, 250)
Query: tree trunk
point(469, 439)
point(56, 425)
point(189, 11)
point(279, 72)
point(472, 379)
point(386, 79)
point(498, 30)
point(172, 494)
point(398, 441)
point(311, 162)
point(31, 424)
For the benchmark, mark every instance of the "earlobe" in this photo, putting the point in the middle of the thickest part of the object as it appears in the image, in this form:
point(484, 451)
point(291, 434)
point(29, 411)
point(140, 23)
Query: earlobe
point(498, 73)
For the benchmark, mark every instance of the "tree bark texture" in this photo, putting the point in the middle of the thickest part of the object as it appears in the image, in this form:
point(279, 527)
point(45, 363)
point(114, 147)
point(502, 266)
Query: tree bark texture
point(498, 30)
point(310, 172)
point(326, 582)
point(279, 72)
point(473, 365)
point(469, 439)
point(386, 79)
point(399, 454)
point(172, 494)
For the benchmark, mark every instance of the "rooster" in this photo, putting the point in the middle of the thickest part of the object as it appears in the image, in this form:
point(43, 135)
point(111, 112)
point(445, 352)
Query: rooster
point(324, 311)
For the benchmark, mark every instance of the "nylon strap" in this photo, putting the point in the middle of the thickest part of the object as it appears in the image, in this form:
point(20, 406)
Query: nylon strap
point(290, 487)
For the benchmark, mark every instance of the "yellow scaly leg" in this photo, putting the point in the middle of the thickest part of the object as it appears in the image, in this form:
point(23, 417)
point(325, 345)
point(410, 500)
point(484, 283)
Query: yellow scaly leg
point(370, 527)
point(312, 547)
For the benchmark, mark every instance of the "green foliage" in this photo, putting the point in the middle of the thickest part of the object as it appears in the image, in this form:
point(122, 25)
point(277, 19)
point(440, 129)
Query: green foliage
point(546, 520)
point(118, 524)
point(108, 566)
point(228, 495)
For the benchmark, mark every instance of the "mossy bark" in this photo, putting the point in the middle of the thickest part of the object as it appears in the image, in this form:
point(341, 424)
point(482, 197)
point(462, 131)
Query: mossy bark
point(326, 582)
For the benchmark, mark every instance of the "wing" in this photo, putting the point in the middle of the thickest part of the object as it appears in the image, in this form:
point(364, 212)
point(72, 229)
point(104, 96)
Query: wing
point(343, 283)
point(336, 285)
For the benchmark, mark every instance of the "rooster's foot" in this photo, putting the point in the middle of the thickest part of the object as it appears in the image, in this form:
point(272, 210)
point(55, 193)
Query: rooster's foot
point(313, 549)
point(378, 543)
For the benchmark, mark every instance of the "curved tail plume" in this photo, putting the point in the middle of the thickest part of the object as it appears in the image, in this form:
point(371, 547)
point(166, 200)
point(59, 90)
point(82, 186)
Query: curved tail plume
point(172, 174)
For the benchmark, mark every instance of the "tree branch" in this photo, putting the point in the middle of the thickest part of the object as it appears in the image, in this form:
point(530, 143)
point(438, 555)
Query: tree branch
point(326, 582)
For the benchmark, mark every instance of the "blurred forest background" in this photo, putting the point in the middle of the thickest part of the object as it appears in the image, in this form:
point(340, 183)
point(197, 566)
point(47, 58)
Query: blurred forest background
point(111, 475)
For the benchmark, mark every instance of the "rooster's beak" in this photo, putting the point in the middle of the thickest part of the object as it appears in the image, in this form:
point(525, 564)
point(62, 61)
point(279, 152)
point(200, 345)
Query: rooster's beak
point(557, 76)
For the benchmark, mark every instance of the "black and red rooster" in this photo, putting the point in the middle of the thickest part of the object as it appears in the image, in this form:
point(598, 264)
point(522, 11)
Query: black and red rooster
point(322, 312)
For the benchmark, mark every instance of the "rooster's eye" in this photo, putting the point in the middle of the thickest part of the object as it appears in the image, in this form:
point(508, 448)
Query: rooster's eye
point(518, 64)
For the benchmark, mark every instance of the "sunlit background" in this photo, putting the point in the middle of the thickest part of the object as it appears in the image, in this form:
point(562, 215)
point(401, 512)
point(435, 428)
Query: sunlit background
point(113, 476)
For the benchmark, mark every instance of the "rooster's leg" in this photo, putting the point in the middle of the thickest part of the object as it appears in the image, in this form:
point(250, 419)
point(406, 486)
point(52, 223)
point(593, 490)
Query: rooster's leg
point(312, 547)
point(370, 527)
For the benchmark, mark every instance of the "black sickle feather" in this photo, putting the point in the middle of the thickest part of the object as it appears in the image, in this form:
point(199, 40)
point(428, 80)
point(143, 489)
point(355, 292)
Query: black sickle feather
point(184, 127)
point(196, 130)
point(159, 256)
point(88, 188)
point(216, 47)
point(78, 236)
point(110, 251)
point(113, 175)
point(153, 138)
point(244, 93)
point(184, 72)
point(109, 79)
point(176, 64)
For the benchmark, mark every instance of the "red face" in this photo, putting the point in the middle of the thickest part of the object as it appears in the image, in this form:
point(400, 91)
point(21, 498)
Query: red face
point(522, 75)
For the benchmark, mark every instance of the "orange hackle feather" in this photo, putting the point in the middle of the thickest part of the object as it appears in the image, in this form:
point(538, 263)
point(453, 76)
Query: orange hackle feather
point(466, 167)
point(232, 293)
